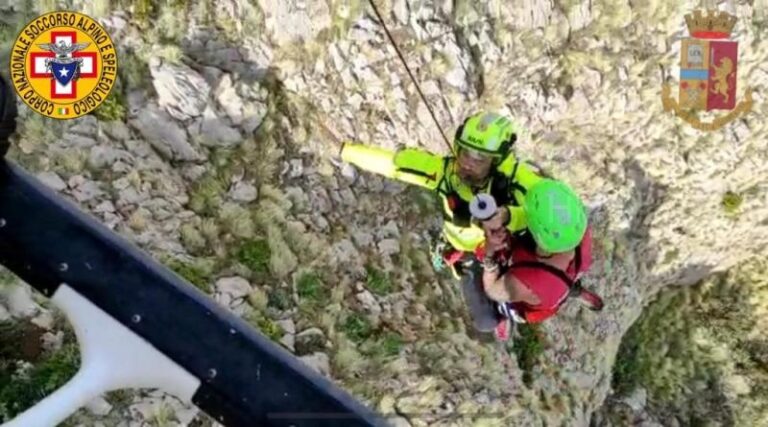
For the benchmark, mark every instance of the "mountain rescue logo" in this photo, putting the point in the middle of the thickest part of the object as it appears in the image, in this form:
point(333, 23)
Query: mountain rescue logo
point(708, 65)
point(63, 64)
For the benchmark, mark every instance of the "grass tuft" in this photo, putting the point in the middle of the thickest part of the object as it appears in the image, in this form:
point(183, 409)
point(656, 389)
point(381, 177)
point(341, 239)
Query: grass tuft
point(113, 107)
point(280, 299)
point(378, 281)
point(258, 299)
point(311, 289)
point(389, 344)
point(267, 326)
point(357, 327)
point(24, 388)
point(192, 238)
point(283, 261)
point(199, 274)
point(255, 255)
point(237, 221)
point(347, 361)
point(207, 195)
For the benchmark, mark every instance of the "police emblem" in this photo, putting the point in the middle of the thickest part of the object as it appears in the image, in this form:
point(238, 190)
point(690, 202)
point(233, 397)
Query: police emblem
point(63, 64)
point(708, 63)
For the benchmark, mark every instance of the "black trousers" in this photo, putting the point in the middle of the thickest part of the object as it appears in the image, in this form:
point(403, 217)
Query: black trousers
point(481, 308)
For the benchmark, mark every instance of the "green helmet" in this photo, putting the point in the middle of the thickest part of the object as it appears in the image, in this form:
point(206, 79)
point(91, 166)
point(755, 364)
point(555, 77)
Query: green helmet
point(556, 216)
point(488, 133)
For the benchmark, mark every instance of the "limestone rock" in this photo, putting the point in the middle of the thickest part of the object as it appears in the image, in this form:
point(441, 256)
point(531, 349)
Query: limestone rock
point(165, 136)
point(229, 100)
point(86, 125)
point(213, 131)
point(243, 192)
point(253, 115)
point(87, 191)
point(102, 156)
point(389, 247)
point(344, 251)
point(236, 287)
point(74, 140)
point(369, 302)
point(52, 342)
point(288, 326)
point(99, 406)
point(117, 130)
point(181, 91)
point(637, 400)
point(310, 341)
point(320, 362)
point(18, 300)
point(289, 21)
point(52, 180)
point(288, 341)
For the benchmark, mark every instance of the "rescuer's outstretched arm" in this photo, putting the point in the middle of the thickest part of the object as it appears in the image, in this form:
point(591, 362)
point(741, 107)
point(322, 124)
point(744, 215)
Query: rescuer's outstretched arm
point(409, 165)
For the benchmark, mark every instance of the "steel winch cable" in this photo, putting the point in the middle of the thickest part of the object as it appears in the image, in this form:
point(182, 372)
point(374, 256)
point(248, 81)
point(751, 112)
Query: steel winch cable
point(410, 74)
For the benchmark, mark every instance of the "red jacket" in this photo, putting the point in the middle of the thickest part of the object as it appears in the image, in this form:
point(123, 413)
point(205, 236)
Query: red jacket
point(550, 287)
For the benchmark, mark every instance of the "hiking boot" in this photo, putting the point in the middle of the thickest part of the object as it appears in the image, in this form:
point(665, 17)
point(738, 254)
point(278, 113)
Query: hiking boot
point(502, 330)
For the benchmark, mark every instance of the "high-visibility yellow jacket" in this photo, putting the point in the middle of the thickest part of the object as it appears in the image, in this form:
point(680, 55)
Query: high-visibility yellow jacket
point(508, 184)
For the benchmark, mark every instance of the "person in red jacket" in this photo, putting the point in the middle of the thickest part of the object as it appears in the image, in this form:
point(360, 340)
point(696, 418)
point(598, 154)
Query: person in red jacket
point(530, 274)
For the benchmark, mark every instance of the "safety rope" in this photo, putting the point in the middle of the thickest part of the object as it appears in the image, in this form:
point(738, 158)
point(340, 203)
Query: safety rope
point(408, 69)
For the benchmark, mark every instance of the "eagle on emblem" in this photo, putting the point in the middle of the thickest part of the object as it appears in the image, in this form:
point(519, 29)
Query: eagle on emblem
point(64, 51)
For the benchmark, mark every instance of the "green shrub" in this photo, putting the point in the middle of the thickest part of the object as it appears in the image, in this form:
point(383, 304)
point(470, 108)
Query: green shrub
point(357, 327)
point(20, 392)
point(311, 289)
point(266, 325)
point(255, 255)
point(279, 298)
point(378, 281)
point(197, 274)
point(113, 107)
point(389, 344)
point(731, 202)
point(699, 348)
point(207, 195)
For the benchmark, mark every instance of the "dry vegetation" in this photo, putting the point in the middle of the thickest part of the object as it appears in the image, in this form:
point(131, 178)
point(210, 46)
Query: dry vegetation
point(699, 348)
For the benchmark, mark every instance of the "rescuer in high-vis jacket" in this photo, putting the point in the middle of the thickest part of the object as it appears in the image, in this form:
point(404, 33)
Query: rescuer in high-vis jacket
point(483, 163)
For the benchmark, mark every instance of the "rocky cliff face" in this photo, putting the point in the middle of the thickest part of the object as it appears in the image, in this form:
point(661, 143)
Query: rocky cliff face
point(215, 154)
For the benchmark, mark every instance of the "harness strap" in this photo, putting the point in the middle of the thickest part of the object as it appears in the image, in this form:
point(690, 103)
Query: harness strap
point(513, 184)
point(577, 259)
point(444, 178)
